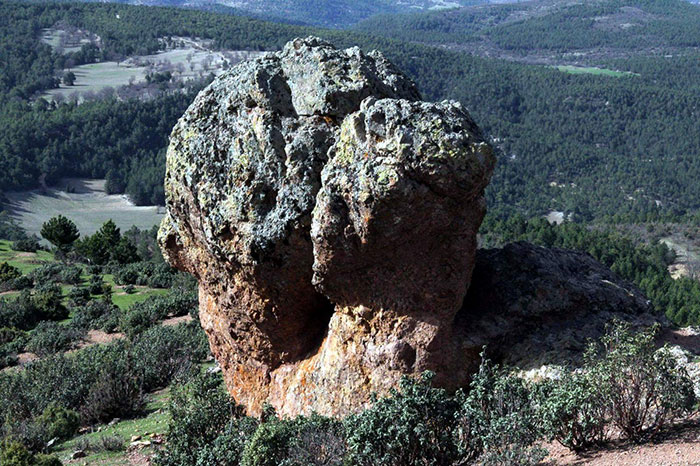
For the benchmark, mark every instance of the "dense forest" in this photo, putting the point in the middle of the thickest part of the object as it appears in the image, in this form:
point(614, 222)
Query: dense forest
point(595, 146)
point(629, 25)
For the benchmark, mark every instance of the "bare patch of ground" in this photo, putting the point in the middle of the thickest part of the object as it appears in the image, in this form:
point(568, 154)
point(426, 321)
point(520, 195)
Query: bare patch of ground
point(172, 321)
point(98, 337)
point(681, 446)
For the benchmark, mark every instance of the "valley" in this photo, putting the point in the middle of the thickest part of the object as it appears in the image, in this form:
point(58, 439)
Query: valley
point(84, 201)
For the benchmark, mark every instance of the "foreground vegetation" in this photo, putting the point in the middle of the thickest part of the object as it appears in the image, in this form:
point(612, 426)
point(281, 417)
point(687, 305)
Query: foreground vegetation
point(499, 419)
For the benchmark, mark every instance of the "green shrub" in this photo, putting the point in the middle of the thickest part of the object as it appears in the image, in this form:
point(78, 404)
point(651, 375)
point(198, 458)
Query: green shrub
point(19, 313)
point(95, 285)
point(116, 393)
point(46, 460)
point(56, 272)
point(497, 420)
point(51, 338)
point(15, 454)
point(28, 244)
point(413, 426)
point(78, 296)
point(21, 283)
point(575, 411)
point(645, 388)
point(144, 315)
point(206, 426)
point(61, 423)
point(302, 441)
point(101, 381)
point(8, 272)
point(97, 314)
point(111, 443)
point(146, 274)
point(48, 300)
point(174, 349)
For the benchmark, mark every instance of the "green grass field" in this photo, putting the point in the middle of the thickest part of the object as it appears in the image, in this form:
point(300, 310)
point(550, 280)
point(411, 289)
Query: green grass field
point(89, 207)
point(593, 70)
point(24, 261)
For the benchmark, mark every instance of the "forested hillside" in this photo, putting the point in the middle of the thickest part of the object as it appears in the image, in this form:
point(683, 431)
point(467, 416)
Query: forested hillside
point(600, 27)
point(593, 145)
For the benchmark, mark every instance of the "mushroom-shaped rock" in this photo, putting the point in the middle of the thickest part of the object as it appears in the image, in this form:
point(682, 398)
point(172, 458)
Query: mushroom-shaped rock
point(330, 217)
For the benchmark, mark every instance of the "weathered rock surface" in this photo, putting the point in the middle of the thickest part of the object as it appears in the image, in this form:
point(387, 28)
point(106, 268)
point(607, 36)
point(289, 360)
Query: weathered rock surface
point(532, 305)
point(330, 217)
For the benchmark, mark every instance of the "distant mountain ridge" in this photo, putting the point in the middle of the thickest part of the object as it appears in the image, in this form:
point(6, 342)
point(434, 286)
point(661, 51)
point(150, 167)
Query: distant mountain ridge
point(548, 30)
point(328, 13)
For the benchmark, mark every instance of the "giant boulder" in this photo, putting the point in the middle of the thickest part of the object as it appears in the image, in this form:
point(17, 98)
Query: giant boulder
point(330, 217)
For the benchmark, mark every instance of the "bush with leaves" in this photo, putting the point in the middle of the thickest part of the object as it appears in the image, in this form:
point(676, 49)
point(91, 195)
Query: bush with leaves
point(97, 315)
point(303, 441)
point(575, 411)
point(56, 272)
point(13, 453)
point(101, 381)
point(51, 338)
point(60, 423)
point(48, 300)
point(78, 296)
point(497, 420)
point(12, 342)
point(28, 244)
point(19, 313)
point(645, 389)
point(96, 284)
point(412, 426)
point(163, 354)
point(146, 274)
point(206, 426)
point(117, 392)
point(8, 272)
point(143, 315)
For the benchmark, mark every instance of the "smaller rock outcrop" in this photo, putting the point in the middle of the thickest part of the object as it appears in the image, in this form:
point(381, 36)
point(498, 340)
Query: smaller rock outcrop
point(532, 305)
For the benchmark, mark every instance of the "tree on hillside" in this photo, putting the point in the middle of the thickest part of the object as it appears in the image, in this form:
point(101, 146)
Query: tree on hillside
point(69, 78)
point(107, 245)
point(61, 232)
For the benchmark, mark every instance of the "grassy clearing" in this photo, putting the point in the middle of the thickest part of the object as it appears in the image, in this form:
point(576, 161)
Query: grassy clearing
point(27, 261)
point(184, 63)
point(154, 422)
point(24, 261)
point(125, 301)
point(88, 206)
point(593, 70)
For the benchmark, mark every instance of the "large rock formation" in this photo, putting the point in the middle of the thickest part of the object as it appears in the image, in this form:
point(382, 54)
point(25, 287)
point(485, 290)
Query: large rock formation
point(330, 217)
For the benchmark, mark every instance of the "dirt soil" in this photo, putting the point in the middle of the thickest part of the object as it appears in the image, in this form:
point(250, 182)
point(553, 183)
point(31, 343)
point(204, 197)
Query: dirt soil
point(680, 447)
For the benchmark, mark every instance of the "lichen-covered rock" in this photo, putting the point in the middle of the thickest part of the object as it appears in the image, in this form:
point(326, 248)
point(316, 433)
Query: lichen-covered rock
point(330, 217)
point(310, 191)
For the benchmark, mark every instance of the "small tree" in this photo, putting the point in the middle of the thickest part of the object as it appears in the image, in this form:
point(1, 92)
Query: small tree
point(69, 78)
point(60, 232)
